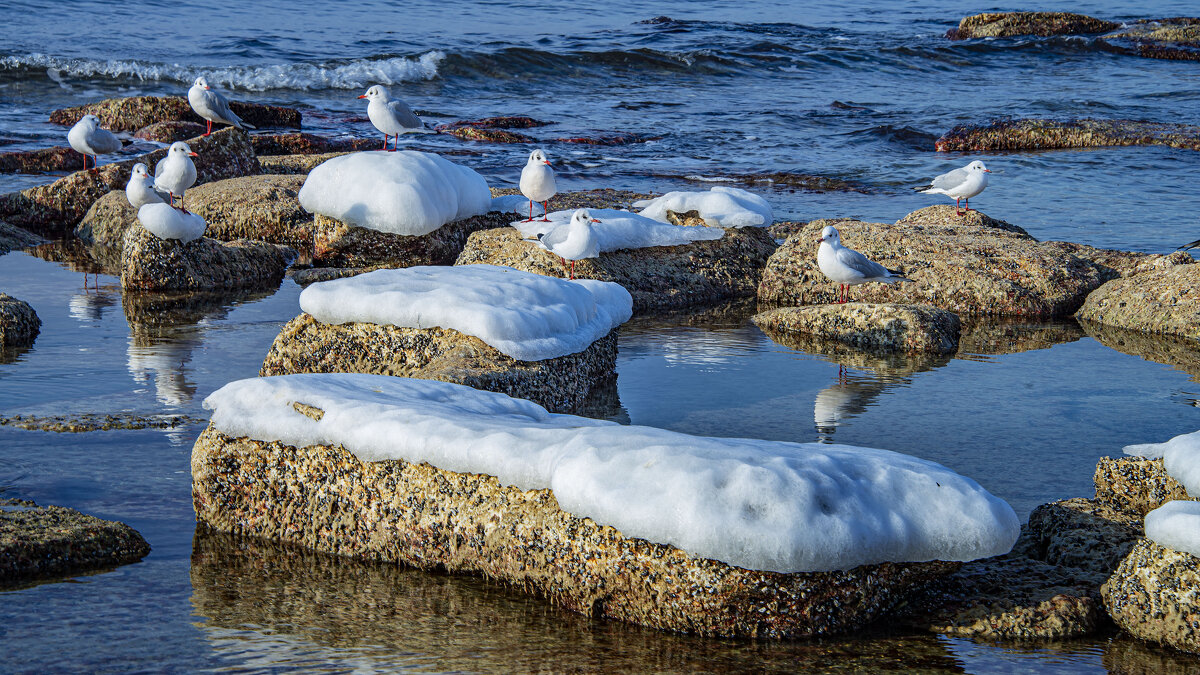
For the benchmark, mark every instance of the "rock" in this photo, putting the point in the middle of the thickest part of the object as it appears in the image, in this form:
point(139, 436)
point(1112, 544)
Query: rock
point(1084, 534)
point(324, 498)
point(904, 328)
point(312, 275)
point(337, 244)
point(1135, 485)
point(48, 541)
point(108, 220)
point(1122, 263)
point(86, 422)
point(37, 161)
point(52, 209)
point(19, 324)
point(487, 135)
point(170, 131)
point(503, 122)
point(308, 144)
point(1165, 301)
point(1152, 596)
point(137, 112)
point(973, 266)
point(13, 237)
point(560, 384)
point(779, 180)
point(152, 264)
point(1181, 353)
point(1175, 38)
point(782, 230)
point(294, 164)
point(1043, 24)
point(619, 138)
point(659, 277)
point(606, 198)
point(1125, 655)
point(1044, 134)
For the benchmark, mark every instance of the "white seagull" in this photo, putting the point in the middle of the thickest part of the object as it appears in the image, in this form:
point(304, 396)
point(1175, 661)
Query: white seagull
point(959, 184)
point(391, 116)
point(89, 139)
point(176, 173)
point(849, 267)
point(212, 106)
point(537, 182)
point(140, 189)
point(573, 241)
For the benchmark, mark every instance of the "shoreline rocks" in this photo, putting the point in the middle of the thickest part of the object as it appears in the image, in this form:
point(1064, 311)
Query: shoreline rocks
point(152, 264)
point(1043, 24)
point(39, 542)
point(336, 244)
point(1176, 38)
point(19, 324)
point(137, 112)
point(872, 327)
point(1152, 596)
point(171, 131)
point(1164, 301)
point(1135, 484)
point(1047, 134)
point(58, 158)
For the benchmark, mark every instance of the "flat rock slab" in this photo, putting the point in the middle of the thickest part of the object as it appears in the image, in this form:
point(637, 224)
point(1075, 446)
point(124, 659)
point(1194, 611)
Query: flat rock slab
point(49, 541)
point(36, 161)
point(1135, 485)
point(1047, 134)
point(152, 264)
point(1085, 534)
point(19, 324)
point(560, 384)
point(874, 327)
point(61, 205)
point(659, 277)
point(1152, 596)
point(1043, 24)
point(171, 131)
point(971, 265)
point(308, 144)
point(337, 244)
point(137, 112)
point(1165, 301)
point(326, 499)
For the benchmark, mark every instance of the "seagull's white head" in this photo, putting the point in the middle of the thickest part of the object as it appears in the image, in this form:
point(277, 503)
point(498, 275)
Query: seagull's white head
point(582, 217)
point(830, 235)
point(978, 167)
point(376, 93)
point(181, 149)
point(140, 171)
point(538, 157)
point(201, 82)
point(90, 120)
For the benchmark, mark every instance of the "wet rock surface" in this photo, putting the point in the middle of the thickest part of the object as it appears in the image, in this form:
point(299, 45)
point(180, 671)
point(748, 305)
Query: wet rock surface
point(303, 143)
point(37, 161)
point(1122, 263)
point(337, 244)
point(152, 264)
point(1176, 38)
point(781, 180)
point(19, 324)
point(1044, 24)
point(13, 237)
point(1135, 485)
point(37, 542)
point(873, 327)
point(96, 422)
point(1152, 595)
point(324, 498)
point(169, 132)
point(295, 164)
point(1046, 134)
point(561, 384)
point(1164, 301)
point(137, 112)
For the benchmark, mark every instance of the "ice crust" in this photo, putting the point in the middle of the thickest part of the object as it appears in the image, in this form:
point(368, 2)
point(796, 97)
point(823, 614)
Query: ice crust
point(406, 192)
point(528, 316)
point(764, 505)
point(1180, 456)
point(167, 222)
point(1176, 525)
point(619, 230)
point(721, 206)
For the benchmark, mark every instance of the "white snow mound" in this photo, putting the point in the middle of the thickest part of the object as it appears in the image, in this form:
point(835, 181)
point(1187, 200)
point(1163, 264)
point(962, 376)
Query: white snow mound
point(1180, 456)
point(527, 316)
point(764, 505)
point(516, 204)
point(719, 207)
point(619, 230)
point(1175, 525)
point(407, 192)
point(167, 222)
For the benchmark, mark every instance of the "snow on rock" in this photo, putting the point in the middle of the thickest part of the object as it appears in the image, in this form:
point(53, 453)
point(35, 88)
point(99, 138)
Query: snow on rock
point(527, 316)
point(167, 222)
point(516, 204)
point(762, 505)
point(721, 207)
point(407, 192)
point(1181, 459)
point(619, 230)
point(1175, 525)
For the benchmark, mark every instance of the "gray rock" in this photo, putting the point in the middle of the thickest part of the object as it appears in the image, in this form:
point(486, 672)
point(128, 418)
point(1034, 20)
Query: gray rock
point(1152, 595)
point(905, 328)
point(152, 264)
point(49, 541)
point(1164, 301)
point(19, 324)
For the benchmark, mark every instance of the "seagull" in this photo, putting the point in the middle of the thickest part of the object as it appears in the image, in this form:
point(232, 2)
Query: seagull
point(140, 189)
point(212, 106)
point(573, 241)
point(176, 172)
point(537, 182)
point(1185, 247)
point(391, 116)
point(959, 184)
point(849, 267)
point(89, 139)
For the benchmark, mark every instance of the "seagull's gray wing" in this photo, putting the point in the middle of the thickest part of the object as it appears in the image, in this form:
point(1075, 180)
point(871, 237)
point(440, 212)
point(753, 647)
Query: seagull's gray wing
point(950, 180)
point(554, 237)
point(158, 168)
point(103, 141)
point(218, 104)
point(404, 115)
point(1185, 247)
point(860, 264)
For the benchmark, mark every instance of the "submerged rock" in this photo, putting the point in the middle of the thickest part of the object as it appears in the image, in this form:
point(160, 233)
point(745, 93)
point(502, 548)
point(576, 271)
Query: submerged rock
point(906, 328)
point(1135, 484)
point(19, 324)
point(559, 384)
point(1152, 595)
point(1165, 301)
point(152, 264)
point(13, 237)
point(303, 143)
point(1176, 38)
point(1045, 134)
point(1043, 24)
point(48, 541)
point(337, 244)
point(37, 161)
point(998, 336)
point(137, 112)
point(170, 132)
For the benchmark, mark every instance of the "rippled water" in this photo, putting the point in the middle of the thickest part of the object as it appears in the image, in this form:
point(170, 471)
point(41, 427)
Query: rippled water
point(857, 93)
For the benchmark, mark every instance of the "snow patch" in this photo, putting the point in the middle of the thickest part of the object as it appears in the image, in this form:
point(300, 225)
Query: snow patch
point(721, 206)
point(619, 230)
point(1180, 456)
point(167, 222)
point(527, 316)
point(1176, 525)
point(407, 192)
point(766, 505)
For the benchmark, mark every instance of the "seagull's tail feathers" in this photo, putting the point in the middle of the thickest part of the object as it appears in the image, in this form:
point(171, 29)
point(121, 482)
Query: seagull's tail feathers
point(927, 189)
point(896, 277)
point(1185, 247)
point(248, 125)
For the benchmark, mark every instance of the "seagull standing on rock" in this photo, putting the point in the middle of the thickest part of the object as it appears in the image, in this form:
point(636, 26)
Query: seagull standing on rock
point(89, 139)
point(537, 183)
point(959, 184)
point(176, 173)
point(849, 267)
point(140, 189)
point(212, 106)
point(573, 241)
point(391, 116)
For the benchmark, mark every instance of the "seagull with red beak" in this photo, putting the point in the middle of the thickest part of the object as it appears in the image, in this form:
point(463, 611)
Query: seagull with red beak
point(849, 267)
point(392, 116)
point(959, 184)
point(212, 106)
point(537, 183)
point(573, 241)
point(175, 173)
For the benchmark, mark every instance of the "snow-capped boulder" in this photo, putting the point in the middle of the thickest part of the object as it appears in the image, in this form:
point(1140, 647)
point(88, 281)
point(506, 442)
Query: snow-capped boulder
point(721, 206)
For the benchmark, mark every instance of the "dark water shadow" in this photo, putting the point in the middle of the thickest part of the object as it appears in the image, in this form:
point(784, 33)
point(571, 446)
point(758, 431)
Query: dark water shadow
point(1000, 336)
point(1178, 352)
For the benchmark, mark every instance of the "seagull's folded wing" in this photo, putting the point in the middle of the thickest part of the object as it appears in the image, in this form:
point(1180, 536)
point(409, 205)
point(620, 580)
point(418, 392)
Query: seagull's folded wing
point(860, 264)
point(950, 180)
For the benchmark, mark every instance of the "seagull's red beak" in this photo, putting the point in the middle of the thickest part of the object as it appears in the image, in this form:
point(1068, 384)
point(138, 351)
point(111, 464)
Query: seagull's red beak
point(987, 170)
point(363, 96)
point(207, 87)
point(596, 221)
point(820, 239)
point(193, 154)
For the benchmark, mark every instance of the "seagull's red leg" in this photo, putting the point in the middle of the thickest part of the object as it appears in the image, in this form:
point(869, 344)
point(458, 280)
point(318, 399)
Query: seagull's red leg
point(572, 270)
point(209, 130)
point(545, 211)
point(530, 218)
point(967, 201)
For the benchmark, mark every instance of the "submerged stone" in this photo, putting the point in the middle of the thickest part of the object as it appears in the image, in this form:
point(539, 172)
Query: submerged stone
point(1176, 38)
point(1043, 24)
point(1046, 134)
point(53, 541)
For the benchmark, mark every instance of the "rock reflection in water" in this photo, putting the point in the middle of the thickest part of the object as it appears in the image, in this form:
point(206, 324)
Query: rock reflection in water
point(283, 607)
point(997, 337)
point(1172, 350)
